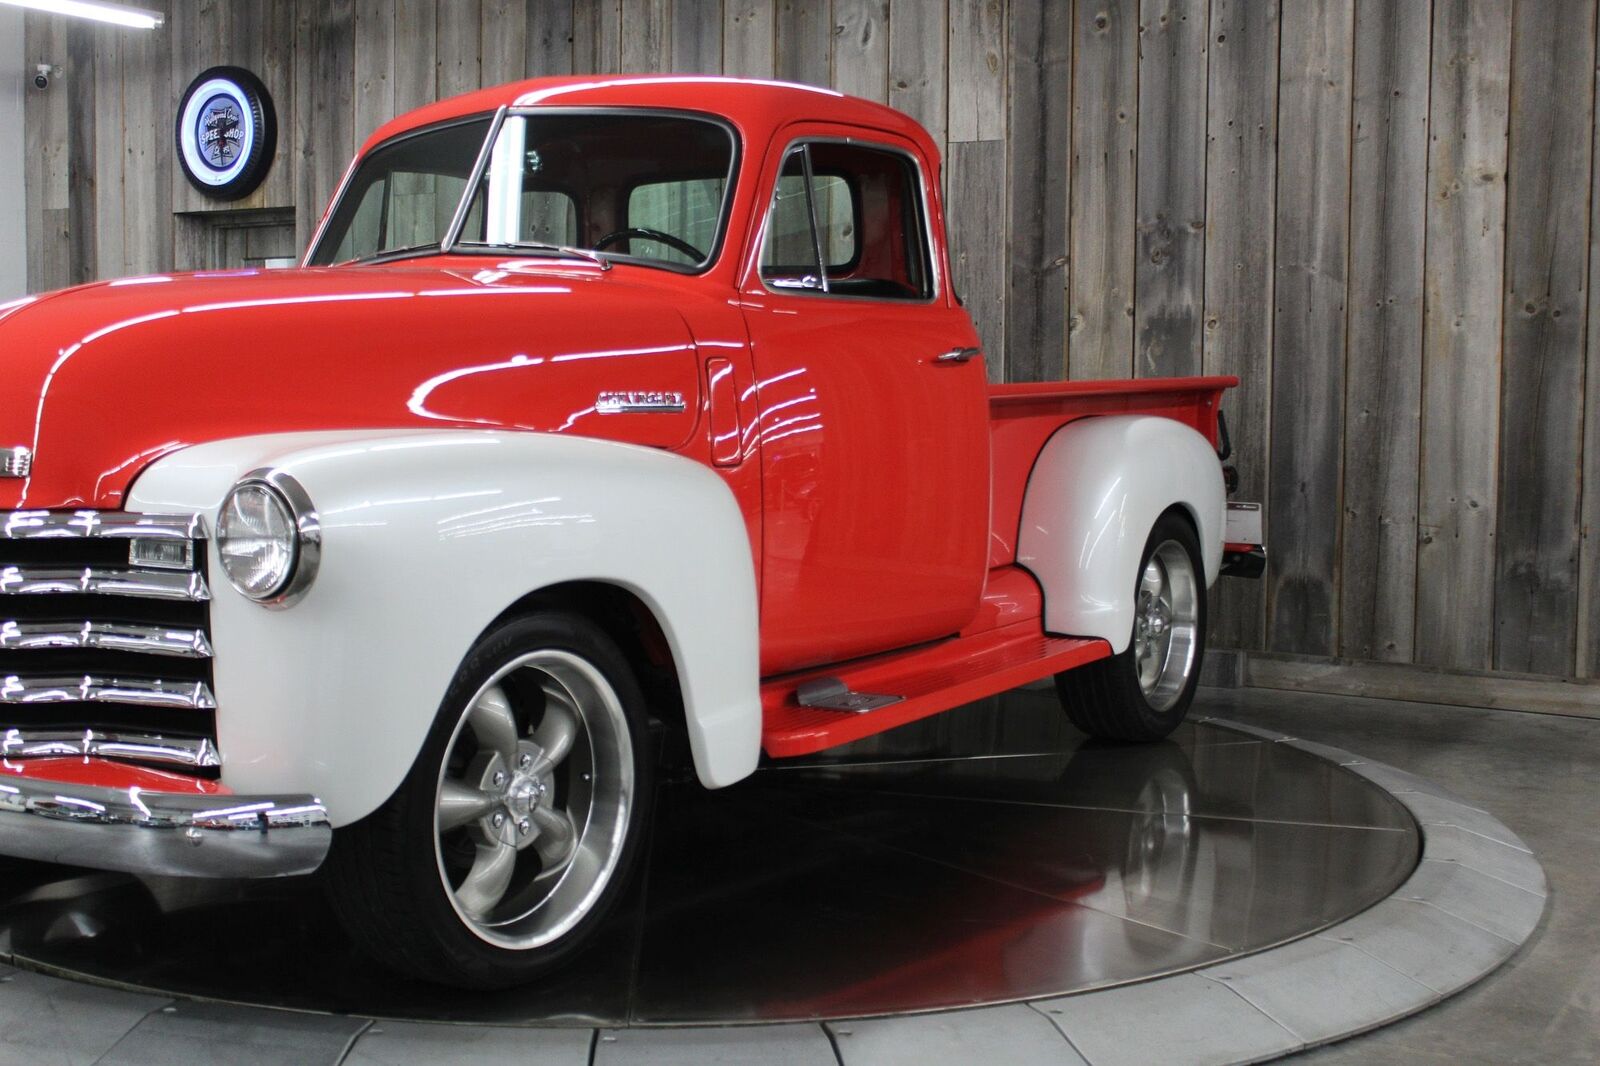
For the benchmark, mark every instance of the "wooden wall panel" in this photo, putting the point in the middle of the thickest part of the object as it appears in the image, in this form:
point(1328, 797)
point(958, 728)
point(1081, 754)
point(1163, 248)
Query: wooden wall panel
point(918, 48)
point(697, 36)
point(548, 48)
point(804, 38)
point(1461, 339)
point(1105, 112)
point(146, 153)
point(1241, 173)
point(1383, 369)
point(1040, 173)
point(977, 70)
point(460, 43)
point(860, 35)
point(1310, 263)
point(105, 153)
point(1541, 404)
point(975, 201)
point(1169, 268)
point(503, 42)
point(84, 203)
point(373, 64)
point(748, 38)
point(323, 136)
point(1419, 404)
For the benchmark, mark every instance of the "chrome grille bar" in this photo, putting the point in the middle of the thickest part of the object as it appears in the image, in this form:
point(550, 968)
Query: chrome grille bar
point(33, 525)
point(176, 751)
point(107, 636)
point(189, 695)
point(147, 584)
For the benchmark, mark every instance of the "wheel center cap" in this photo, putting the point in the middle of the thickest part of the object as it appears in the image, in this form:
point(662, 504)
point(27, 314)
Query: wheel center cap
point(525, 794)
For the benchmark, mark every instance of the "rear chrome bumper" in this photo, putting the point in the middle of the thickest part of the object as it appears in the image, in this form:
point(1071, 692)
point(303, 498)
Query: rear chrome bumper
point(171, 834)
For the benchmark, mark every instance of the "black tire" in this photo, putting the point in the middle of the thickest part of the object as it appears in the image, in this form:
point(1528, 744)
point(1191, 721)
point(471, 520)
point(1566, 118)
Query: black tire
point(388, 876)
point(1106, 698)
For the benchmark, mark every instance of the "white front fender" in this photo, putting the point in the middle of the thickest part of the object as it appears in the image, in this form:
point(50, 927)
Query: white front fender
point(1095, 493)
point(427, 538)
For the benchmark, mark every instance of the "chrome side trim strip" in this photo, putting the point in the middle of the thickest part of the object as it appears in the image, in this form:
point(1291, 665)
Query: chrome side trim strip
point(146, 584)
point(107, 636)
point(188, 695)
point(174, 834)
point(30, 525)
point(177, 751)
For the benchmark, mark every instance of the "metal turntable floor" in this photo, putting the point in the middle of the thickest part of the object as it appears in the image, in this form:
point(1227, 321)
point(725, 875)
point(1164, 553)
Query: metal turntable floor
point(986, 856)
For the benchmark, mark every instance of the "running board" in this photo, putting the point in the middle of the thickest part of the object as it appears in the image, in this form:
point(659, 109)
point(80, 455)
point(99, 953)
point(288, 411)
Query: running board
point(810, 712)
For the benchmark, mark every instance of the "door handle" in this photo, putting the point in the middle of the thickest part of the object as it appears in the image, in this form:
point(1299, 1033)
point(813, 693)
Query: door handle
point(959, 355)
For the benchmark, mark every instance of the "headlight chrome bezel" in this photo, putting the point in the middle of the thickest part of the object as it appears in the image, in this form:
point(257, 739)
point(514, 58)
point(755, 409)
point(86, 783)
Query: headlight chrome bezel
point(307, 546)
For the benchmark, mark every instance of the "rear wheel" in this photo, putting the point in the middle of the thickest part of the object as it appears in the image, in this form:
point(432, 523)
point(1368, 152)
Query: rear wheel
point(1144, 692)
point(517, 828)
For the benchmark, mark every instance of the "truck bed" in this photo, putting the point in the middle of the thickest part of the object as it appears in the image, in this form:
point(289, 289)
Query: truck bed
point(1023, 416)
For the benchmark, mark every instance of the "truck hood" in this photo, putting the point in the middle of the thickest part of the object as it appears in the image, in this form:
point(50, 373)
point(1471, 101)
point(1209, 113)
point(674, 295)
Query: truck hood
point(101, 380)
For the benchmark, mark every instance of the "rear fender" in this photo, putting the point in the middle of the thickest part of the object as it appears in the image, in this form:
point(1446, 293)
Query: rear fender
point(1094, 495)
point(427, 538)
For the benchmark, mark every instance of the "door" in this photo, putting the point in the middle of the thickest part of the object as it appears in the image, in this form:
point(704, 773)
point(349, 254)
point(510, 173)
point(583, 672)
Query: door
point(874, 450)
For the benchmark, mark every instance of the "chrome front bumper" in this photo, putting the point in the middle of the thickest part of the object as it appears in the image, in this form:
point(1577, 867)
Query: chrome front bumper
point(164, 833)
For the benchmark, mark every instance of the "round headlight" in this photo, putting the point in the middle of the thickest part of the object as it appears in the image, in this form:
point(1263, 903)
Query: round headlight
point(268, 537)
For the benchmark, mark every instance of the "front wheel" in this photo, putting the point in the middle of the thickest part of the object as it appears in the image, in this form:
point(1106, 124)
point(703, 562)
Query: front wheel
point(518, 826)
point(1144, 692)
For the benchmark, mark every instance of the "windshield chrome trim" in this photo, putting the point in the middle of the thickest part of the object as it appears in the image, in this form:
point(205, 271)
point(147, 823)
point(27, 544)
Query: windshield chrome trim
point(469, 192)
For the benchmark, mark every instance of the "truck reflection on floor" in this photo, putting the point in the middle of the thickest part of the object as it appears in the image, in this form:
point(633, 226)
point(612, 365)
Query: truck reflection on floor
point(986, 855)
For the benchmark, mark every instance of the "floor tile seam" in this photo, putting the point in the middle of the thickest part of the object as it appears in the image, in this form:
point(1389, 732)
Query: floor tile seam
point(1463, 918)
point(1033, 1005)
point(1253, 1005)
point(146, 1016)
point(833, 1042)
point(1481, 836)
point(1024, 889)
point(1543, 896)
point(1402, 793)
point(350, 1044)
point(1134, 810)
point(1355, 943)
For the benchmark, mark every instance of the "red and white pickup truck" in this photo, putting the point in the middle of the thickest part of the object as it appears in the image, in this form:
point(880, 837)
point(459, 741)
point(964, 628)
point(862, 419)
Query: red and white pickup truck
point(596, 403)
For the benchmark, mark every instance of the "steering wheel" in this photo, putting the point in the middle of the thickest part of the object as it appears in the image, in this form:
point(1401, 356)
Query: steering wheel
point(677, 244)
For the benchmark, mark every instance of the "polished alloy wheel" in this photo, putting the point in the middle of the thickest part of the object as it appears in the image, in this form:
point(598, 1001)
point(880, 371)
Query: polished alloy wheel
point(533, 799)
point(1166, 625)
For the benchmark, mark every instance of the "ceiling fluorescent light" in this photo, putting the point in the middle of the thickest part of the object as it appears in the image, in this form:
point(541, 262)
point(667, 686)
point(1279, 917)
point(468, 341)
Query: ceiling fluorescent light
point(117, 14)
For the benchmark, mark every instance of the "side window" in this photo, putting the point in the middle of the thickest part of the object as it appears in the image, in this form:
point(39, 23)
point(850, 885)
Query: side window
point(861, 223)
point(686, 210)
point(789, 256)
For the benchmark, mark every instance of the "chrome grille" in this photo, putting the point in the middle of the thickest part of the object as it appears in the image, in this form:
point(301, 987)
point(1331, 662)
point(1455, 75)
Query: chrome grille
point(103, 651)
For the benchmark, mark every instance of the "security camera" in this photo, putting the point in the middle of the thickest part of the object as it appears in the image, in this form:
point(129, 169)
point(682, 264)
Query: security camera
point(42, 75)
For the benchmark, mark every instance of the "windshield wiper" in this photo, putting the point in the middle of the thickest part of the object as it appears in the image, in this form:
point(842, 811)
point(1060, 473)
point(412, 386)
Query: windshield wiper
point(540, 246)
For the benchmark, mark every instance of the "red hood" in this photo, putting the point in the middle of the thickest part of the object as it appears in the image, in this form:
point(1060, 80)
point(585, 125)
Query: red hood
point(101, 380)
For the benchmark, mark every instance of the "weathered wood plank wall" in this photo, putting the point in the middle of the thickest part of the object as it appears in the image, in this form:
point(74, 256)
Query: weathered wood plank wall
point(1378, 213)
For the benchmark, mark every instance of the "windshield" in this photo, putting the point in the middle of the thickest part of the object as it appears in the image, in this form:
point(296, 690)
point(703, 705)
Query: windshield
point(646, 187)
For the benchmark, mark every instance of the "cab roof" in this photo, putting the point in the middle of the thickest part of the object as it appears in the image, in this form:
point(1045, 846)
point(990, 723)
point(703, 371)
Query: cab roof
point(757, 108)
